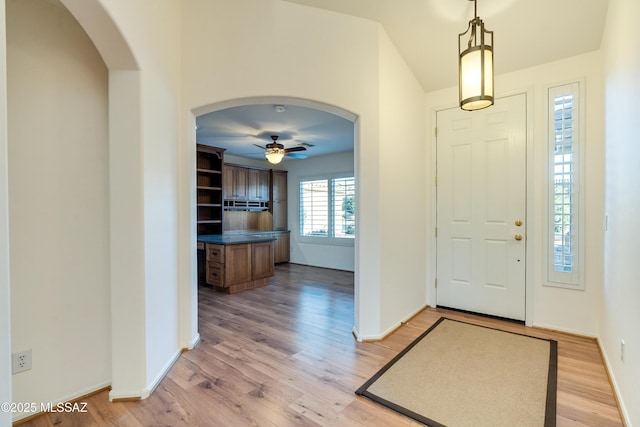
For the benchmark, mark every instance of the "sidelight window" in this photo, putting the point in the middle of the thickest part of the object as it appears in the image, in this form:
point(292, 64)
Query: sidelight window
point(564, 195)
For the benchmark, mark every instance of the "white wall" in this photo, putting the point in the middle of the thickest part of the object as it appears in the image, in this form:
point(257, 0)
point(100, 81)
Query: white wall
point(159, 54)
point(250, 48)
point(620, 316)
point(5, 311)
point(58, 203)
point(146, 190)
point(403, 202)
point(337, 256)
point(140, 40)
point(551, 307)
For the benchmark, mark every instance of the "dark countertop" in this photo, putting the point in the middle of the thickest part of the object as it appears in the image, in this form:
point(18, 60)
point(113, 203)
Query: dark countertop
point(236, 239)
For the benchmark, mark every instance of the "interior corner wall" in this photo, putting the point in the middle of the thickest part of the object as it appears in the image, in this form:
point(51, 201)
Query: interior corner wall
point(152, 30)
point(160, 101)
point(128, 327)
point(58, 204)
point(249, 48)
point(5, 308)
point(620, 316)
point(556, 308)
point(336, 256)
point(403, 207)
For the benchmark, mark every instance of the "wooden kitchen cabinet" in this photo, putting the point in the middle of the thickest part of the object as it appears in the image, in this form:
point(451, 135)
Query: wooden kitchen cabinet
point(279, 200)
point(281, 247)
point(258, 185)
point(235, 182)
point(236, 267)
point(262, 260)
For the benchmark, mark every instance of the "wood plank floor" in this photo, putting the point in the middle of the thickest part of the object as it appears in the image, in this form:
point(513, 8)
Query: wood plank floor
point(284, 355)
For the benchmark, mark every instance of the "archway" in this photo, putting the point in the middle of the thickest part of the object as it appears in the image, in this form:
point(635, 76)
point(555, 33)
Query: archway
point(188, 265)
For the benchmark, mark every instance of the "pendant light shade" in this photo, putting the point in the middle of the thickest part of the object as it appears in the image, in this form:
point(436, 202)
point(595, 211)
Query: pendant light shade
point(475, 65)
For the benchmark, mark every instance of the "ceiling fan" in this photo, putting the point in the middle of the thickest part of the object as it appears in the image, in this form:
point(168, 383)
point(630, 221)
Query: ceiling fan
point(275, 151)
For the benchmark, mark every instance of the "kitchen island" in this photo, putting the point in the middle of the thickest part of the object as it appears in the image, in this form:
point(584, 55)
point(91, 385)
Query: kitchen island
point(235, 262)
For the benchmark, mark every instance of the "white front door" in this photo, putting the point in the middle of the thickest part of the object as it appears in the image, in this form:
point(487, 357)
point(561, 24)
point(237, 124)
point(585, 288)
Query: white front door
point(481, 205)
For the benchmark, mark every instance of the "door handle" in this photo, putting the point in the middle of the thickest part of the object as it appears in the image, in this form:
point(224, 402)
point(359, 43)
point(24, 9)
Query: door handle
point(518, 222)
point(518, 236)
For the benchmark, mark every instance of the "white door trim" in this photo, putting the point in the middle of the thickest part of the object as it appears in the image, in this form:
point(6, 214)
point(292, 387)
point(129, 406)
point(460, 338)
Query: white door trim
point(532, 230)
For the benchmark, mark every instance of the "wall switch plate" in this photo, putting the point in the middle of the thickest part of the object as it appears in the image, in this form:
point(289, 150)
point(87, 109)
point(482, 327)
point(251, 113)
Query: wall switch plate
point(21, 361)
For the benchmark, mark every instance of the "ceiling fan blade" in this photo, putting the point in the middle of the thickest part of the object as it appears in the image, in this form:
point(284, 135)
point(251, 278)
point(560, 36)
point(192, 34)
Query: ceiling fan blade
point(292, 149)
point(260, 146)
point(296, 155)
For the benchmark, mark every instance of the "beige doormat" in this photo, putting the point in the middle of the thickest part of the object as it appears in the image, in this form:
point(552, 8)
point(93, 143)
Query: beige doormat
point(457, 374)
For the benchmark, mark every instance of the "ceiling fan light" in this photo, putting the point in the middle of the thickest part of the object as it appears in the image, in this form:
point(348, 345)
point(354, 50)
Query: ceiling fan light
point(274, 155)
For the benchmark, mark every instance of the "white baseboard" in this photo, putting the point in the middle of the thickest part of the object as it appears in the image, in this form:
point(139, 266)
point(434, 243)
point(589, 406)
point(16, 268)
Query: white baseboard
point(146, 392)
point(68, 398)
point(614, 384)
point(356, 334)
point(127, 394)
point(163, 372)
point(390, 329)
point(194, 342)
point(565, 330)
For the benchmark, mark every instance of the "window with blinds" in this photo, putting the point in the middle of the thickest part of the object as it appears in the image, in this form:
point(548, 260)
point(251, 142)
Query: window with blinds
point(344, 219)
point(564, 204)
point(327, 208)
point(314, 208)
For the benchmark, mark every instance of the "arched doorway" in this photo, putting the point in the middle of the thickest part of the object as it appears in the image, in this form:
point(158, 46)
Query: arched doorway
point(188, 243)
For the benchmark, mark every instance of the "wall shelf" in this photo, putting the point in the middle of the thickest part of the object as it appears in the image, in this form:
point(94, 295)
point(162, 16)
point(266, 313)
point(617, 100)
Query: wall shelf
point(209, 162)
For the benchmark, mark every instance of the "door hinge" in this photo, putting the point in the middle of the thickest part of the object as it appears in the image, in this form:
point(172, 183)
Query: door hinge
point(435, 131)
point(436, 283)
point(436, 231)
point(436, 180)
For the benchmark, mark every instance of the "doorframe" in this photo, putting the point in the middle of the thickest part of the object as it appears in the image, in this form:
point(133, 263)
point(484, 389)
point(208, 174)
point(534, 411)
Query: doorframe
point(531, 189)
point(188, 262)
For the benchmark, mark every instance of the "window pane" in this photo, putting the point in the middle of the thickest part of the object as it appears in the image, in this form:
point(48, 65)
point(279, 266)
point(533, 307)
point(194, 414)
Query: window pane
point(565, 209)
point(563, 184)
point(344, 218)
point(314, 208)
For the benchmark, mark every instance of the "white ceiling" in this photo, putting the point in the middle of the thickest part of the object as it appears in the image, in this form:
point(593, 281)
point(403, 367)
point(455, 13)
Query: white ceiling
point(237, 129)
point(425, 32)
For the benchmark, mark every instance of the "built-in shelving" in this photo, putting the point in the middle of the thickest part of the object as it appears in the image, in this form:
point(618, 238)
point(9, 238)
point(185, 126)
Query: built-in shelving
point(209, 204)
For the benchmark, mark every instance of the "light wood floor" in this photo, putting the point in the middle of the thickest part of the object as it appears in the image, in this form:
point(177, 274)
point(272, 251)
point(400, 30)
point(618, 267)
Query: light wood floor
point(284, 355)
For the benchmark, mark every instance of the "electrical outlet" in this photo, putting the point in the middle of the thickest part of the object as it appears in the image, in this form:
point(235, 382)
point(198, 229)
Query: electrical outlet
point(622, 350)
point(20, 361)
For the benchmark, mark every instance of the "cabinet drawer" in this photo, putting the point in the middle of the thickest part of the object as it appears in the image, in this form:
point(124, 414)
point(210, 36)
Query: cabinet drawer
point(215, 274)
point(215, 253)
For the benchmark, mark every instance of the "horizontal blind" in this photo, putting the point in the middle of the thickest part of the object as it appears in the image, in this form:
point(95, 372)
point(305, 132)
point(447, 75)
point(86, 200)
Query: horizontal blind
point(314, 208)
point(344, 219)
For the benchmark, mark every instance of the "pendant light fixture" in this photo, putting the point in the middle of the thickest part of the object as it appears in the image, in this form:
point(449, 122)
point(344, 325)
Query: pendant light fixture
point(475, 65)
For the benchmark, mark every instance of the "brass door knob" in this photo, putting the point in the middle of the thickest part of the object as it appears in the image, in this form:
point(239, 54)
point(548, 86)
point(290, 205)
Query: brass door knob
point(518, 236)
point(518, 222)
